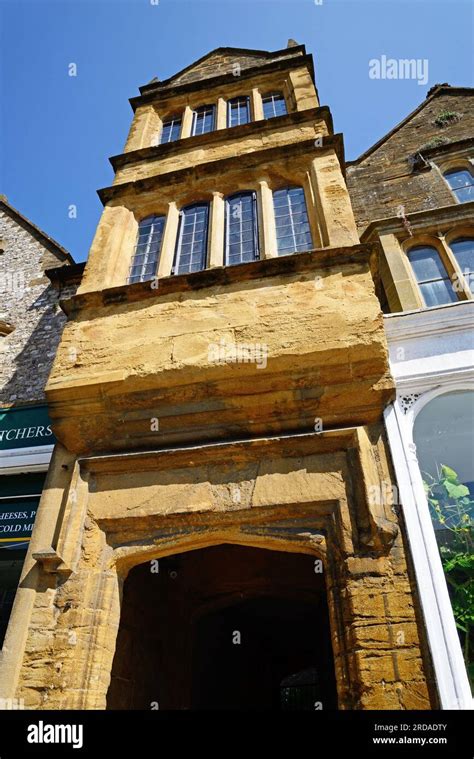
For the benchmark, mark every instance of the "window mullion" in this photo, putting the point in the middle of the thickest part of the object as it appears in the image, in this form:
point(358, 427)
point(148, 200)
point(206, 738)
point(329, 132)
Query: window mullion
point(453, 269)
point(290, 207)
point(241, 227)
point(227, 230)
point(175, 268)
point(255, 226)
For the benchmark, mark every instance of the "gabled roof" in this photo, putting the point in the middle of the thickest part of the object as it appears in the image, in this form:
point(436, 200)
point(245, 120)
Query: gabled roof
point(38, 233)
point(247, 58)
point(436, 91)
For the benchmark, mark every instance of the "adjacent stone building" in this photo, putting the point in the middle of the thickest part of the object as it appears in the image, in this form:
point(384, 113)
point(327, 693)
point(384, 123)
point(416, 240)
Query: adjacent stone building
point(213, 532)
point(414, 193)
point(30, 327)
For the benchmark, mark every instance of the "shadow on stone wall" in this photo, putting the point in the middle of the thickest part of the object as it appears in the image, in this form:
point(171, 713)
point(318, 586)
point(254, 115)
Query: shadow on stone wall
point(32, 364)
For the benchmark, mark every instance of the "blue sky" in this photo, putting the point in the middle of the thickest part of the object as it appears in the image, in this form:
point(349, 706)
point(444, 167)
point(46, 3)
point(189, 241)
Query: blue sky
point(57, 131)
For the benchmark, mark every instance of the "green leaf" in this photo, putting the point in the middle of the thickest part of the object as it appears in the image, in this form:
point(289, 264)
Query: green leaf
point(456, 491)
point(449, 473)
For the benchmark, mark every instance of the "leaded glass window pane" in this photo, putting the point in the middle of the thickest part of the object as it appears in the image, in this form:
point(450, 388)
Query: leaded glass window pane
point(203, 120)
point(238, 111)
point(435, 285)
point(463, 249)
point(171, 130)
point(291, 219)
point(274, 105)
point(241, 229)
point(191, 249)
point(147, 249)
point(461, 182)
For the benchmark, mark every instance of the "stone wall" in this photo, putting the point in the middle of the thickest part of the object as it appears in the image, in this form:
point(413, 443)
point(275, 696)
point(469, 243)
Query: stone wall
point(310, 324)
point(166, 445)
point(225, 62)
point(384, 180)
point(30, 304)
point(308, 494)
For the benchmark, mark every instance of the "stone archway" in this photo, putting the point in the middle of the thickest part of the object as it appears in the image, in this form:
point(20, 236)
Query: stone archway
point(225, 627)
point(309, 494)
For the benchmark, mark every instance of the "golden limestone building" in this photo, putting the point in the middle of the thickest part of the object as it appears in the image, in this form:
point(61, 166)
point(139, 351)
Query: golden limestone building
point(213, 532)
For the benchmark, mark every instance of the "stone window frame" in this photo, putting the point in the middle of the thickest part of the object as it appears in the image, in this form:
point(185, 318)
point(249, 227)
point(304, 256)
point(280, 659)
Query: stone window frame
point(216, 252)
point(462, 162)
point(273, 94)
point(236, 99)
point(170, 119)
point(166, 109)
point(255, 232)
point(452, 235)
point(317, 171)
point(448, 661)
point(317, 524)
point(203, 109)
point(290, 214)
point(178, 242)
point(448, 259)
point(135, 250)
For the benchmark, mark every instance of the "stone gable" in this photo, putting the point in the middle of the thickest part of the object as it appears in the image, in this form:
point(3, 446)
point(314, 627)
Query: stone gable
point(221, 63)
point(384, 180)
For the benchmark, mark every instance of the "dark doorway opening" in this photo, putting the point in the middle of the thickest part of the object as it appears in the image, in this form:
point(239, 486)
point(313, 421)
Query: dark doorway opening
point(226, 628)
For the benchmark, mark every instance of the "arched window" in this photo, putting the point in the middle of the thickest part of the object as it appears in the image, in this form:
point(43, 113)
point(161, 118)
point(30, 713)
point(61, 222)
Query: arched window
point(147, 250)
point(291, 218)
point(274, 105)
point(238, 111)
point(435, 285)
point(191, 245)
point(241, 242)
point(171, 130)
point(463, 249)
point(461, 182)
point(444, 437)
point(203, 120)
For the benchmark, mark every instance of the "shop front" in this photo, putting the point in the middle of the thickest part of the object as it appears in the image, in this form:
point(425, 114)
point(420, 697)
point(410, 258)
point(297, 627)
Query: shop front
point(26, 444)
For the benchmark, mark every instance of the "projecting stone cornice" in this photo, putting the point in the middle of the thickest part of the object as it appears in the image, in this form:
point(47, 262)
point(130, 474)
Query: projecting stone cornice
point(219, 136)
point(249, 350)
point(455, 213)
point(446, 148)
point(322, 258)
point(251, 160)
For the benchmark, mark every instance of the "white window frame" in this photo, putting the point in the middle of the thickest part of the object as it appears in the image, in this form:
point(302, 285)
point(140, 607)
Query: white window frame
point(203, 109)
point(237, 101)
point(467, 167)
point(451, 676)
point(273, 96)
point(172, 121)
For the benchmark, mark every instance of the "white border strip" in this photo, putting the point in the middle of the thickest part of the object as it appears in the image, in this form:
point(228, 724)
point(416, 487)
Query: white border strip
point(451, 677)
